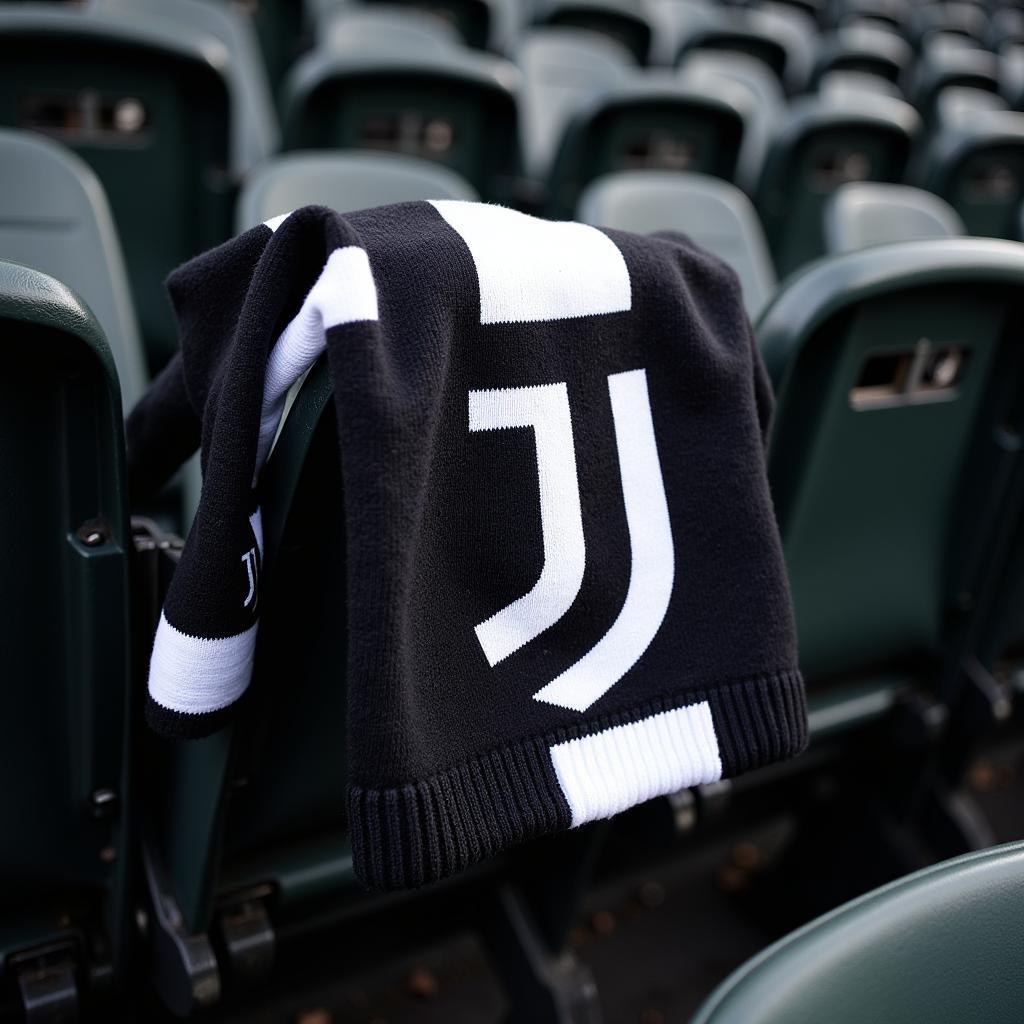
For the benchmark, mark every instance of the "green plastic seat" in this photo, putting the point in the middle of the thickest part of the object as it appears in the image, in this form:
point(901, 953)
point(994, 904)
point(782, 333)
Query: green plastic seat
point(863, 48)
point(563, 68)
point(893, 371)
point(64, 636)
point(385, 30)
point(54, 216)
point(649, 122)
point(147, 104)
point(480, 24)
point(454, 106)
point(947, 63)
point(965, 22)
point(281, 31)
point(975, 161)
point(776, 40)
point(344, 182)
point(714, 213)
point(827, 140)
point(620, 20)
point(894, 15)
point(942, 945)
point(866, 213)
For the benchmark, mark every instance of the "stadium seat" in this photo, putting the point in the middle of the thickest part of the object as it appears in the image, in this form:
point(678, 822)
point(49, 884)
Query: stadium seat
point(455, 106)
point(54, 217)
point(890, 370)
point(344, 182)
point(386, 30)
point(827, 140)
point(64, 632)
point(975, 161)
point(653, 122)
point(563, 69)
point(863, 48)
point(894, 15)
point(942, 945)
point(480, 24)
point(148, 106)
point(764, 102)
point(715, 214)
point(866, 213)
point(967, 22)
point(946, 63)
point(620, 20)
point(767, 35)
point(280, 28)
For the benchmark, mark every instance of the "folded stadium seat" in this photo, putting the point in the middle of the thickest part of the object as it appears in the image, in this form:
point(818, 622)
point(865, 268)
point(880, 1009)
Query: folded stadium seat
point(481, 24)
point(865, 213)
point(54, 217)
point(767, 35)
point(950, 62)
point(974, 159)
point(356, 29)
point(863, 48)
point(654, 122)
point(890, 368)
point(624, 21)
point(894, 15)
point(846, 82)
point(966, 21)
point(715, 214)
point(764, 106)
point(64, 633)
point(1011, 73)
point(452, 105)
point(941, 945)
point(150, 105)
point(563, 68)
point(344, 182)
point(840, 135)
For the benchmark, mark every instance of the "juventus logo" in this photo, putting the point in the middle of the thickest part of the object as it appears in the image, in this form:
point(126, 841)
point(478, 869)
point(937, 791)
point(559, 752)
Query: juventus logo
point(252, 568)
point(545, 408)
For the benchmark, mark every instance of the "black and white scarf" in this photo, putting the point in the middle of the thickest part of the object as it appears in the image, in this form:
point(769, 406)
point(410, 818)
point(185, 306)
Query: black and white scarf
point(565, 587)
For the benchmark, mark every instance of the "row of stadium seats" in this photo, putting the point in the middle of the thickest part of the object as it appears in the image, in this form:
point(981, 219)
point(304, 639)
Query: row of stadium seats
point(895, 464)
point(171, 99)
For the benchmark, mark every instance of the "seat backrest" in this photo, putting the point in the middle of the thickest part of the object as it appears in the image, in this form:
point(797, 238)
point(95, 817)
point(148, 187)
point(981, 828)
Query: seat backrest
point(942, 945)
point(647, 123)
point(563, 68)
point(714, 213)
point(865, 213)
point(147, 105)
point(385, 30)
point(480, 24)
point(894, 370)
point(827, 140)
point(64, 632)
point(975, 161)
point(624, 21)
point(948, 62)
point(344, 182)
point(54, 217)
point(456, 107)
point(874, 51)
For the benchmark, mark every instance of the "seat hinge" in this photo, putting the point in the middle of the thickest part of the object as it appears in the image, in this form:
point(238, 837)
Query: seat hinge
point(47, 980)
point(247, 934)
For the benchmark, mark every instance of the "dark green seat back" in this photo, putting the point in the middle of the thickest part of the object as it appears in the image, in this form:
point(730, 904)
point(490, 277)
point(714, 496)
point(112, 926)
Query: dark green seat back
point(874, 51)
point(826, 141)
point(64, 639)
point(455, 107)
point(645, 126)
point(480, 23)
point(943, 945)
point(895, 370)
point(147, 108)
point(620, 20)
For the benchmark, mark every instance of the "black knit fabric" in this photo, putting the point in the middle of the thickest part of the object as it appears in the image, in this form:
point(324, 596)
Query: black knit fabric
point(454, 750)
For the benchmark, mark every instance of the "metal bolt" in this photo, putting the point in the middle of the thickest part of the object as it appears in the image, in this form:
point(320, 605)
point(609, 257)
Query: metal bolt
point(104, 802)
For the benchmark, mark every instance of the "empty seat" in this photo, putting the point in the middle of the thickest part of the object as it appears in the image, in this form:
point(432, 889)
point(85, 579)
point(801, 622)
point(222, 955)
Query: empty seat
point(886, 458)
point(54, 217)
point(863, 48)
point(623, 21)
point(454, 106)
point(715, 214)
point(827, 140)
point(148, 105)
point(966, 21)
point(777, 40)
point(941, 945)
point(563, 69)
point(866, 213)
point(387, 30)
point(974, 159)
point(946, 63)
point(344, 182)
point(64, 633)
point(481, 24)
point(655, 123)
point(894, 15)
